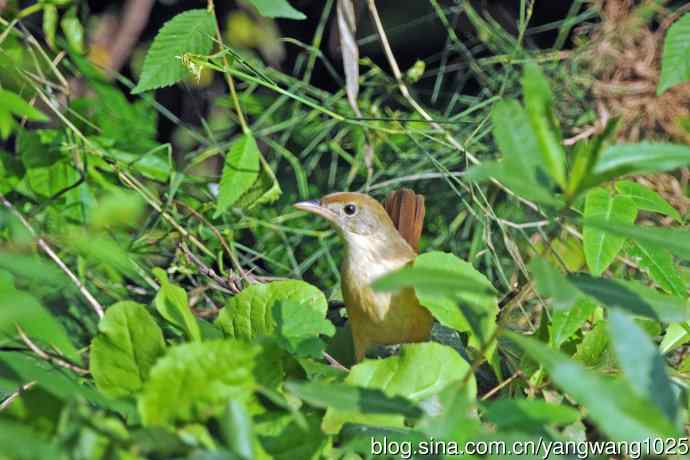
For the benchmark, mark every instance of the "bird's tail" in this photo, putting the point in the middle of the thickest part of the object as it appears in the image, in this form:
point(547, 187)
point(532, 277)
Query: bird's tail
point(406, 209)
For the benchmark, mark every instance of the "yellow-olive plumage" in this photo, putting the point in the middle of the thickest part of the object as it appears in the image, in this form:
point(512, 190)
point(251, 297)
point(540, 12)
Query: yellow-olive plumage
point(374, 246)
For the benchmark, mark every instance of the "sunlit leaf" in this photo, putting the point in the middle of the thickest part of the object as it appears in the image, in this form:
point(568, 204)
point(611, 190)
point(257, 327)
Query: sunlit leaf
point(675, 59)
point(276, 9)
point(240, 171)
point(173, 305)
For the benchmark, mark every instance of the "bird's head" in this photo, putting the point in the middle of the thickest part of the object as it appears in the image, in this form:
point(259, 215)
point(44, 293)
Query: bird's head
point(350, 213)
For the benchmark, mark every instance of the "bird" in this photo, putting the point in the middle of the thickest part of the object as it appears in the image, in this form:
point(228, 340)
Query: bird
point(379, 238)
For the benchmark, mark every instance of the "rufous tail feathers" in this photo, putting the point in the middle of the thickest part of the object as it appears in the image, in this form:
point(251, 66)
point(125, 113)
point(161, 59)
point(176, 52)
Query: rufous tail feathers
point(406, 209)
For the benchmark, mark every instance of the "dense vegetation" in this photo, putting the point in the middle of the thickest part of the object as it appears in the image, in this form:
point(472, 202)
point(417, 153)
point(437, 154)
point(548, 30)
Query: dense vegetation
point(160, 298)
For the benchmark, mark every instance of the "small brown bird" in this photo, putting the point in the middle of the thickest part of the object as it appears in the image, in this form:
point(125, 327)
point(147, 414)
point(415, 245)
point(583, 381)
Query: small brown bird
point(377, 240)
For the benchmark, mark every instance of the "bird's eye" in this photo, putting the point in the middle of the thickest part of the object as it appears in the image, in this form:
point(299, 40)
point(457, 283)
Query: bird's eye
point(350, 209)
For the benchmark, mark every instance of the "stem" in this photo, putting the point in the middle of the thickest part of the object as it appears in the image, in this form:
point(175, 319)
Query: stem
point(228, 78)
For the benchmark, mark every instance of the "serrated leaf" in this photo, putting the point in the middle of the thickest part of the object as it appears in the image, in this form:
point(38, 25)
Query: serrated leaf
point(659, 264)
point(642, 363)
point(675, 58)
point(299, 328)
point(612, 405)
point(188, 32)
point(601, 248)
point(127, 345)
point(194, 381)
point(276, 9)
point(250, 314)
point(240, 172)
point(401, 376)
point(646, 199)
point(173, 305)
point(539, 105)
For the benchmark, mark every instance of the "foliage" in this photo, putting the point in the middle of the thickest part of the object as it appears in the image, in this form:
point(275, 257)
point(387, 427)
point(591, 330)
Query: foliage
point(163, 300)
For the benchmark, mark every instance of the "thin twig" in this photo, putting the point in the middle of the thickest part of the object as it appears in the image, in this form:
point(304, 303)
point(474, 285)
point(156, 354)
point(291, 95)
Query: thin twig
point(98, 308)
point(45, 356)
point(5, 404)
point(501, 385)
point(208, 271)
point(334, 363)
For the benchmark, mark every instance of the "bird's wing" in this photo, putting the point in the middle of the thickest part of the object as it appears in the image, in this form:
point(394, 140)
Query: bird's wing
point(406, 209)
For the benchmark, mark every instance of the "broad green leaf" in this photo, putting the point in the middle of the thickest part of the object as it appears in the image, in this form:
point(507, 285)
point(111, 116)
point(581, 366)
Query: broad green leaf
point(127, 345)
point(276, 9)
point(403, 376)
point(515, 139)
point(642, 363)
point(677, 241)
point(240, 171)
point(350, 398)
point(511, 414)
point(590, 351)
point(601, 248)
point(613, 406)
point(298, 328)
point(646, 199)
point(188, 32)
point(456, 294)
point(73, 30)
point(249, 314)
point(676, 335)
point(539, 104)
point(173, 305)
point(21, 442)
point(565, 323)
point(237, 430)
point(551, 283)
point(675, 59)
point(632, 297)
point(19, 308)
point(659, 263)
point(645, 157)
point(194, 381)
point(15, 104)
point(266, 189)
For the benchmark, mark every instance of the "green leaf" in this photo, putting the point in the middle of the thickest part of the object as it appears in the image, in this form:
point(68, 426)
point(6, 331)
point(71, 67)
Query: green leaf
point(19, 308)
point(519, 414)
point(350, 398)
point(645, 157)
point(276, 9)
point(194, 381)
point(127, 345)
point(676, 241)
point(284, 439)
point(510, 178)
point(237, 429)
point(171, 302)
point(646, 199)
point(189, 32)
point(550, 282)
point(73, 30)
point(454, 292)
point(50, 20)
point(403, 376)
point(659, 263)
point(601, 248)
point(565, 323)
point(642, 363)
point(21, 442)
point(539, 104)
point(249, 314)
point(299, 328)
point(518, 143)
point(612, 405)
point(632, 297)
point(240, 171)
point(675, 59)
point(590, 351)
point(15, 104)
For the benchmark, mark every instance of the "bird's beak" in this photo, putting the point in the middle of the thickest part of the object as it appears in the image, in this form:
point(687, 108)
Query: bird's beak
point(314, 207)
